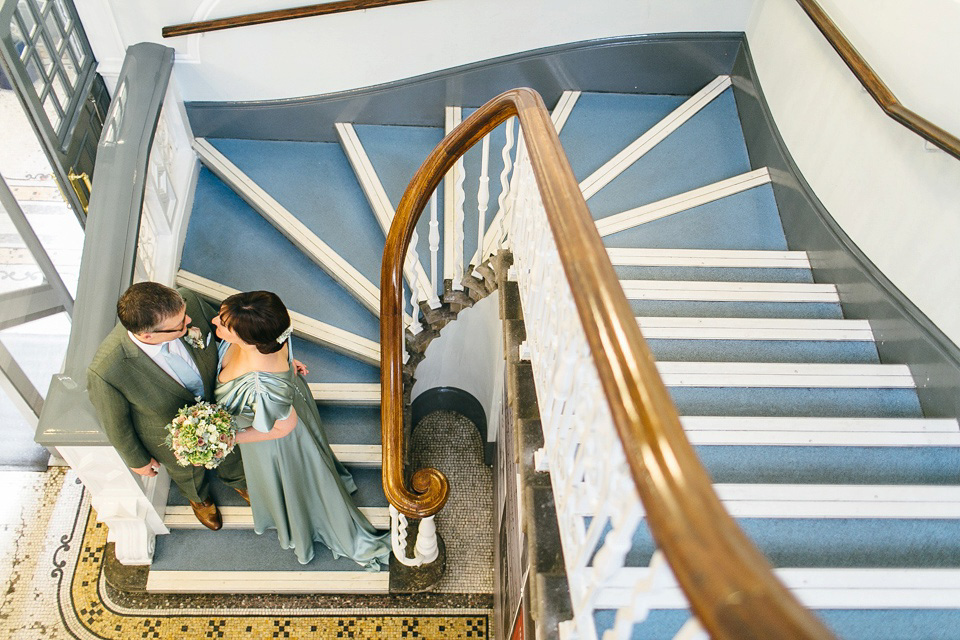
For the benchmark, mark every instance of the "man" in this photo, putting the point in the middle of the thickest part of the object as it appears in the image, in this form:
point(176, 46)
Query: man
point(157, 360)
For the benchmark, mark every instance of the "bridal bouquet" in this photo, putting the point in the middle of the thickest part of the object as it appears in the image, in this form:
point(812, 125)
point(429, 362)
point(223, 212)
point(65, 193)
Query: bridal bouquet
point(201, 435)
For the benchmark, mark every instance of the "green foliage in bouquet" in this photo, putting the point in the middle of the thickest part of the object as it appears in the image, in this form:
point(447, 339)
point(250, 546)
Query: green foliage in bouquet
point(201, 435)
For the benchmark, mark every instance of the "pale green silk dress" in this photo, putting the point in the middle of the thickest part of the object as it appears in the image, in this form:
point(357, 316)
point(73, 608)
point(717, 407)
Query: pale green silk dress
point(296, 484)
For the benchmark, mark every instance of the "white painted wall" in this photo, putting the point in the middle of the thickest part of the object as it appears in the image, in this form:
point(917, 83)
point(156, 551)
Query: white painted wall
point(896, 198)
point(913, 46)
point(469, 355)
point(333, 53)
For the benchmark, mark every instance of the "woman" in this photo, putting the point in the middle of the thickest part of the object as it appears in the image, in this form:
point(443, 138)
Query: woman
point(296, 485)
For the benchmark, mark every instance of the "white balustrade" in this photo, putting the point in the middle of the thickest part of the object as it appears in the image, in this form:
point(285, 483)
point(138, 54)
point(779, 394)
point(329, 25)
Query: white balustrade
point(598, 509)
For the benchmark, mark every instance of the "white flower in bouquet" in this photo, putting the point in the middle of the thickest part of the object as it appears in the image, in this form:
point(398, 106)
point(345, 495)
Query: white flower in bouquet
point(201, 435)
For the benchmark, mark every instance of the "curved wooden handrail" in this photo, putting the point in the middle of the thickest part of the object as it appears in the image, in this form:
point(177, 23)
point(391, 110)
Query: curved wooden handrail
point(729, 583)
point(875, 86)
point(278, 15)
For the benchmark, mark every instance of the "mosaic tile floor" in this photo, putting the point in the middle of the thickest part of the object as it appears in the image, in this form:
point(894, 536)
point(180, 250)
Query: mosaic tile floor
point(52, 551)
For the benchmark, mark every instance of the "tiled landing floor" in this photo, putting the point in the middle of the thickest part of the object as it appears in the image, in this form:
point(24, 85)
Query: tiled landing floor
point(50, 554)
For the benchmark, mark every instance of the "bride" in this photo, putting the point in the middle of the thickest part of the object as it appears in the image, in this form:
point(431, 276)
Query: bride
point(296, 484)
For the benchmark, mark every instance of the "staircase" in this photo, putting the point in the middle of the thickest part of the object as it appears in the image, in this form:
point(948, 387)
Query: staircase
point(820, 450)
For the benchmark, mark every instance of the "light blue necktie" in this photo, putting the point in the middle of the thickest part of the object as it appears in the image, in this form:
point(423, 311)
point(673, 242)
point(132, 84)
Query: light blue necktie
point(190, 378)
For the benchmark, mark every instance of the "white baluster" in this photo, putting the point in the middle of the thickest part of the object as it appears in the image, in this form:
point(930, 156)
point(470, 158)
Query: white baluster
point(427, 548)
point(483, 201)
point(434, 238)
point(413, 259)
point(459, 197)
point(504, 183)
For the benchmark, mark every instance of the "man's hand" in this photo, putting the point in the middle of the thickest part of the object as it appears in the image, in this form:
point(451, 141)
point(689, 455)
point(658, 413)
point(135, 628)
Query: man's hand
point(149, 470)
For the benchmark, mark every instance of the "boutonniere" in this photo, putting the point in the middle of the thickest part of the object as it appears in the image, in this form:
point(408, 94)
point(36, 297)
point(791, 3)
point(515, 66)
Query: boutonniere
point(194, 338)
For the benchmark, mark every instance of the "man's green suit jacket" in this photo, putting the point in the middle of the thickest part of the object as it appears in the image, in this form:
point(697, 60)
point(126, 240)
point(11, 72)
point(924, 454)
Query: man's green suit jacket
point(135, 400)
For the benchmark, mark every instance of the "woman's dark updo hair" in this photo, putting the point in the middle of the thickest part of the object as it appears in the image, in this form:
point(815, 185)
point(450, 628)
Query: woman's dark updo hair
point(257, 317)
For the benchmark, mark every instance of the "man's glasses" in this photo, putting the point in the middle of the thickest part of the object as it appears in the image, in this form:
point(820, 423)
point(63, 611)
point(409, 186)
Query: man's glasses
point(183, 323)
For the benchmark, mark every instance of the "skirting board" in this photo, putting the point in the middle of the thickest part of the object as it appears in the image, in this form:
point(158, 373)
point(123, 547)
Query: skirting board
point(672, 63)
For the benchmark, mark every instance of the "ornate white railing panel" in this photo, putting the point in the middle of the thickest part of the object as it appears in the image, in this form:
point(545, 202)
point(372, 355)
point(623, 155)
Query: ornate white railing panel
point(598, 510)
point(168, 195)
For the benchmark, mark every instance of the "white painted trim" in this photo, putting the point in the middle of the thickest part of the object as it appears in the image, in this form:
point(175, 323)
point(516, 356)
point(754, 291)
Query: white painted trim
point(840, 501)
point(561, 112)
point(684, 328)
point(821, 432)
point(453, 116)
point(361, 455)
point(631, 257)
point(785, 375)
point(682, 202)
point(831, 588)
point(367, 293)
point(339, 340)
point(785, 425)
point(366, 175)
point(706, 291)
point(376, 195)
point(268, 581)
point(633, 152)
point(182, 517)
point(346, 393)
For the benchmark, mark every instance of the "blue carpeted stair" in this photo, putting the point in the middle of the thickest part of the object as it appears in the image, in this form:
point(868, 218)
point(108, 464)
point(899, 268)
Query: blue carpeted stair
point(230, 244)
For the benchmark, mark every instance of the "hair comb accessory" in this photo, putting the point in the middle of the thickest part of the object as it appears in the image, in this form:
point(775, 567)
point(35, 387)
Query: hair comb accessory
point(286, 334)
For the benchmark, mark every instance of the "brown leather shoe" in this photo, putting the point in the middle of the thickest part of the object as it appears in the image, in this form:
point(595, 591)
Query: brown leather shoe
point(208, 514)
point(243, 494)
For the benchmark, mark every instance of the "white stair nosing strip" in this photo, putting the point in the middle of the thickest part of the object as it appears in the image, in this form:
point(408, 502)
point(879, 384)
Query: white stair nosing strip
point(337, 339)
point(346, 393)
point(376, 195)
point(818, 588)
point(630, 257)
point(947, 426)
point(785, 375)
point(182, 517)
point(268, 581)
point(359, 455)
point(561, 113)
point(821, 439)
point(366, 175)
point(681, 202)
point(712, 291)
point(814, 501)
point(635, 150)
point(367, 293)
point(691, 328)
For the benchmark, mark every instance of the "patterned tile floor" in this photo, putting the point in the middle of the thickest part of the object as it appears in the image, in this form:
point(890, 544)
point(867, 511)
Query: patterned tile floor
point(52, 552)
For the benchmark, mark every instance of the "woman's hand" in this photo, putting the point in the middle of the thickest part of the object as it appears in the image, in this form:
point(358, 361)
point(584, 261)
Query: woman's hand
point(300, 368)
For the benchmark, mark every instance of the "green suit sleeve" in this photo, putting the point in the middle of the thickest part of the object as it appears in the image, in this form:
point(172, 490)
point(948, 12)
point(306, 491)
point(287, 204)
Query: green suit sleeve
point(114, 413)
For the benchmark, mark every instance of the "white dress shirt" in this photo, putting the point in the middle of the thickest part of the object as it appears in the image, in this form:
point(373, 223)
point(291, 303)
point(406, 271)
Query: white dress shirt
point(153, 351)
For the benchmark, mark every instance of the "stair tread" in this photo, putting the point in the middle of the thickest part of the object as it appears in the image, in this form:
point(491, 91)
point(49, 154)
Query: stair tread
point(299, 175)
point(202, 551)
point(216, 207)
point(780, 374)
point(343, 340)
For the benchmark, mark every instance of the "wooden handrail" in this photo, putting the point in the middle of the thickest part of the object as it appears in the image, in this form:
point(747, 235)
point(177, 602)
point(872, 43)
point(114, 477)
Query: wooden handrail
point(729, 583)
point(276, 16)
point(875, 86)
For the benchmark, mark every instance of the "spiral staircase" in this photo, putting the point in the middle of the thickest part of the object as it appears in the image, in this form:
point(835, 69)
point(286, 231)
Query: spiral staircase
point(819, 449)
